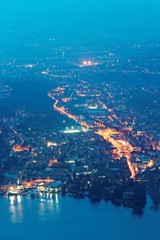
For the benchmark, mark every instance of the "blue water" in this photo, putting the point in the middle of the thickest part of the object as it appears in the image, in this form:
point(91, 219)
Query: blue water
point(68, 218)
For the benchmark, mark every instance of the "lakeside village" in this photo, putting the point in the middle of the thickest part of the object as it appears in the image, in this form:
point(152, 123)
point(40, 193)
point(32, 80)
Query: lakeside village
point(101, 141)
point(83, 167)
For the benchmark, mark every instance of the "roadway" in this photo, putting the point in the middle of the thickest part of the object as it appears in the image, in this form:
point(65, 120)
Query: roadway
point(123, 147)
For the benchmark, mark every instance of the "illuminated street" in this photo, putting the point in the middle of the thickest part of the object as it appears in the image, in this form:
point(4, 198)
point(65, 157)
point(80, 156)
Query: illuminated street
point(123, 146)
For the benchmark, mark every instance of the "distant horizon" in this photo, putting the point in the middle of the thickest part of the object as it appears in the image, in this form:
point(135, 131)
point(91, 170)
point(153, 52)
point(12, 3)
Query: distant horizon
point(78, 21)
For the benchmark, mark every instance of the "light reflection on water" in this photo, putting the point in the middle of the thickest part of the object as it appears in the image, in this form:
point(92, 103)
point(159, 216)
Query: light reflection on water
point(62, 218)
point(48, 205)
point(16, 208)
point(43, 208)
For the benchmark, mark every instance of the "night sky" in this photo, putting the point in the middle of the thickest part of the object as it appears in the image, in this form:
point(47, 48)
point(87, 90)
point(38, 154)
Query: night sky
point(77, 20)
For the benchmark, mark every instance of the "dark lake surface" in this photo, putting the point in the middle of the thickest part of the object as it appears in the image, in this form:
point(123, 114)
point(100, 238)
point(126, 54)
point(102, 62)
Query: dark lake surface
point(68, 218)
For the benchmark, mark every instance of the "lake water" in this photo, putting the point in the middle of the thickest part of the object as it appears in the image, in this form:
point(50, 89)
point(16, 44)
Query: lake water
point(68, 218)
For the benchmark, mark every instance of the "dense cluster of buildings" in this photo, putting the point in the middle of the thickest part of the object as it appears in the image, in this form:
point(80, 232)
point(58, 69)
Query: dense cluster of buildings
point(104, 131)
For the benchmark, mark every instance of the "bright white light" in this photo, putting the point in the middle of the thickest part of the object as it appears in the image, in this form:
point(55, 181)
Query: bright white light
point(57, 200)
point(12, 199)
point(19, 199)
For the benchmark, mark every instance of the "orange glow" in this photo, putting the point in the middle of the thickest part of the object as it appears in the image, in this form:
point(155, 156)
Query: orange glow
point(110, 118)
point(63, 111)
point(151, 164)
point(51, 162)
point(37, 181)
point(19, 148)
point(65, 100)
point(100, 125)
point(123, 147)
